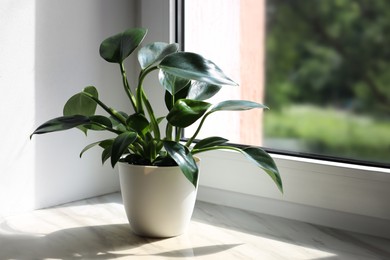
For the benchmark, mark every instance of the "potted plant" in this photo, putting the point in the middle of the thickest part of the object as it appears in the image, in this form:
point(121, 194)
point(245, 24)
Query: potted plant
point(158, 204)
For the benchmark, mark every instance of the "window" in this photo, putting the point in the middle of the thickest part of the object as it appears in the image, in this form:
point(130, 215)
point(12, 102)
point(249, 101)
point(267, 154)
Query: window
point(322, 68)
point(347, 196)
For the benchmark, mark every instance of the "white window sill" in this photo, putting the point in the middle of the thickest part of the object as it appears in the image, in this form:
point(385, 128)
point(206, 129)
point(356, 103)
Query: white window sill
point(97, 228)
point(338, 195)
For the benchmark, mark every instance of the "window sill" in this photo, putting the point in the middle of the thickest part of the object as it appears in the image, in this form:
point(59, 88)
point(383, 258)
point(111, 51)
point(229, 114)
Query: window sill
point(97, 228)
point(337, 195)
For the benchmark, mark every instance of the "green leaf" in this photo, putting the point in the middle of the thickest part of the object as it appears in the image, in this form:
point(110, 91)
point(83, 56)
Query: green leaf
point(107, 147)
point(80, 104)
point(186, 111)
point(236, 105)
point(169, 99)
point(118, 47)
point(120, 145)
point(202, 90)
point(118, 125)
point(100, 143)
point(155, 52)
point(88, 147)
point(193, 66)
point(100, 120)
point(264, 161)
point(164, 161)
point(106, 154)
point(106, 143)
point(210, 142)
point(172, 83)
point(139, 123)
point(61, 123)
point(182, 156)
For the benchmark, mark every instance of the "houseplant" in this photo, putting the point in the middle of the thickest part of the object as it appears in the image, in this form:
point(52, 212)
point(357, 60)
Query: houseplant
point(145, 140)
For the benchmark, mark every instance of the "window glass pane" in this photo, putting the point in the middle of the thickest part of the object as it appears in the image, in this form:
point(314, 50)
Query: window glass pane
point(321, 66)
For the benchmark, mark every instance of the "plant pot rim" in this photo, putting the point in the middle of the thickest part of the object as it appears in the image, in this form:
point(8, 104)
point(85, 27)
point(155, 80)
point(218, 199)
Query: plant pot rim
point(197, 160)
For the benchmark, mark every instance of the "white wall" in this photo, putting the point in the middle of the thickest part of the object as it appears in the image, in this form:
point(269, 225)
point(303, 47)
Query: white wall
point(17, 64)
point(158, 30)
point(49, 51)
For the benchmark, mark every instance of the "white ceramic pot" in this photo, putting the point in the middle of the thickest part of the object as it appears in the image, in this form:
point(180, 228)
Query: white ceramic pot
point(159, 201)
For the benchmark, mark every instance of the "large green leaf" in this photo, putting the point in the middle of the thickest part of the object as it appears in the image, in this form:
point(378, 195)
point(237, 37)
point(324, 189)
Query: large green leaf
point(139, 123)
point(210, 142)
point(117, 48)
point(236, 105)
point(182, 156)
point(193, 66)
point(202, 90)
point(264, 161)
point(61, 123)
point(120, 145)
point(172, 83)
point(155, 52)
point(186, 111)
point(81, 104)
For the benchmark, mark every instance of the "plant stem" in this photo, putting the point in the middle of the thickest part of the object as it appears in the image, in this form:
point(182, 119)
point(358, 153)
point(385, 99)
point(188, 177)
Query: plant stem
point(152, 117)
point(139, 90)
point(110, 111)
point(127, 86)
point(142, 100)
point(189, 142)
point(178, 133)
point(138, 148)
point(168, 132)
point(107, 128)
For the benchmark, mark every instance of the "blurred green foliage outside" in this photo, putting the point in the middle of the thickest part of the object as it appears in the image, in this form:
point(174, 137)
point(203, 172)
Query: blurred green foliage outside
point(328, 76)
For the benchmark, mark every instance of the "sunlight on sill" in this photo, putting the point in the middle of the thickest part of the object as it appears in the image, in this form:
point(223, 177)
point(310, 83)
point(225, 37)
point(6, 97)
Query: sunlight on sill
point(97, 228)
point(258, 245)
